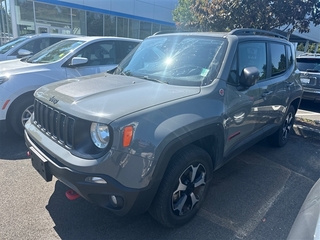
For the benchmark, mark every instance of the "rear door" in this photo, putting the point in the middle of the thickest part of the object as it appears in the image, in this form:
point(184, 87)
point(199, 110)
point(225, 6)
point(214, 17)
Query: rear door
point(274, 87)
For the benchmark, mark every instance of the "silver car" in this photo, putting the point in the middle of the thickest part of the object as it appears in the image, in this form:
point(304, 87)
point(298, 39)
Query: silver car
point(307, 223)
point(29, 44)
point(69, 58)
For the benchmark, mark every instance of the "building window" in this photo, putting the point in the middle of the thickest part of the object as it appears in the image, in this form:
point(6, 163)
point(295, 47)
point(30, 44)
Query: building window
point(94, 24)
point(168, 28)
point(25, 17)
point(145, 29)
point(134, 28)
point(122, 27)
point(155, 28)
point(52, 15)
point(79, 22)
point(110, 25)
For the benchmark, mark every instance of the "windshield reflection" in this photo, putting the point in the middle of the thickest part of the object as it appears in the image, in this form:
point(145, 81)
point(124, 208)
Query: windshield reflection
point(179, 60)
point(55, 52)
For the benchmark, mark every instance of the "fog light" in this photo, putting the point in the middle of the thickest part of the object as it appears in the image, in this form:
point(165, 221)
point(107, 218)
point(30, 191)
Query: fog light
point(114, 200)
point(96, 180)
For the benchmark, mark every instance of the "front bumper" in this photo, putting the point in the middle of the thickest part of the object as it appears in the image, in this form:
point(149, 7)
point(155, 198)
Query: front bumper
point(131, 201)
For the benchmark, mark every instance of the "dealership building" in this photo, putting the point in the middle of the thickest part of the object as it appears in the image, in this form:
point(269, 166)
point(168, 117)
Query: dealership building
point(123, 18)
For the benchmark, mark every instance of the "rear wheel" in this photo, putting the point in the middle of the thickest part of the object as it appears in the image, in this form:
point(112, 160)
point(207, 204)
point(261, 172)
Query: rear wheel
point(21, 111)
point(183, 187)
point(280, 137)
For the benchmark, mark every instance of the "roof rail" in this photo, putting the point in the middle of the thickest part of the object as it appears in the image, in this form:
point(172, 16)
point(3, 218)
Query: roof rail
point(310, 54)
point(252, 31)
point(172, 31)
point(164, 32)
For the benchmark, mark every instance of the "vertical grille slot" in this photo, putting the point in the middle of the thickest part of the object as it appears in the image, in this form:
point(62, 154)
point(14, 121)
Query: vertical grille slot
point(57, 125)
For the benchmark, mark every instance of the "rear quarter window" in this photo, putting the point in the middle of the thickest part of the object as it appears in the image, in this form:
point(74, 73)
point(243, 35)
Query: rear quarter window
point(278, 58)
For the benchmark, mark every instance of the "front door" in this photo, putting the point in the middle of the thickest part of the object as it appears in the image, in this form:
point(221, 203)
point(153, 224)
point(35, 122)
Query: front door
point(242, 104)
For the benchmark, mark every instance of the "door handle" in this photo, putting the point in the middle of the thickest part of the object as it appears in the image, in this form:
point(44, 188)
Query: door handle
point(267, 93)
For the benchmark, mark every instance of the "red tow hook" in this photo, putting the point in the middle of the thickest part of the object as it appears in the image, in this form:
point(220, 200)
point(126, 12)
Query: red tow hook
point(72, 195)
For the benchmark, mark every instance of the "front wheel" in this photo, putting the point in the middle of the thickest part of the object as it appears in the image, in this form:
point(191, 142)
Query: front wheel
point(20, 114)
point(183, 188)
point(280, 137)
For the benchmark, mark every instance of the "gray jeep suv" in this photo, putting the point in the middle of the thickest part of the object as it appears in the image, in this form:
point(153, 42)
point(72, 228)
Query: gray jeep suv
point(150, 135)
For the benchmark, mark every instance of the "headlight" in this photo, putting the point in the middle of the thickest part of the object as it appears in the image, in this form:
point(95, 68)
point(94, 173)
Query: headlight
point(100, 134)
point(3, 79)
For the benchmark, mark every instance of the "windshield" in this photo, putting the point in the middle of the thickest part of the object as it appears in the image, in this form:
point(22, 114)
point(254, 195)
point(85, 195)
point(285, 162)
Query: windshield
point(178, 60)
point(55, 52)
point(308, 64)
point(9, 45)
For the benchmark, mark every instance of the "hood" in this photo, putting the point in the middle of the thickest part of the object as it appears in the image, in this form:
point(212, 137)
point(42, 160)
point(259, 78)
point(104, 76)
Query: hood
point(10, 67)
point(109, 97)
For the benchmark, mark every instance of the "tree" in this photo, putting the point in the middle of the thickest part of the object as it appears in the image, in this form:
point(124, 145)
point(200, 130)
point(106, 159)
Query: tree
point(221, 15)
point(183, 15)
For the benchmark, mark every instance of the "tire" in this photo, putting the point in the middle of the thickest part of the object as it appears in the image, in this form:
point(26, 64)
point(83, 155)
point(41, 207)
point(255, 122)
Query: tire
point(178, 198)
point(281, 136)
point(22, 110)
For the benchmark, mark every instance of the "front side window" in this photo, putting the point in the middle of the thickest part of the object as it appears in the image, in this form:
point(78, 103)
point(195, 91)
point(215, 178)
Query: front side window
point(177, 60)
point(253, 54)
point(100, 53)
point(55, 52)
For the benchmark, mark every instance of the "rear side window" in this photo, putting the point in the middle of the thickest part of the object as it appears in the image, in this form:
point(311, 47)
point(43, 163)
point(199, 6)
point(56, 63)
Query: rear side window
point(290, 56)
point(278, 59)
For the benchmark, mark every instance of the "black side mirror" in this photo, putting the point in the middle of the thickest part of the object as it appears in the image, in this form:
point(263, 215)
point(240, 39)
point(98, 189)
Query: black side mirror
point(249, 76)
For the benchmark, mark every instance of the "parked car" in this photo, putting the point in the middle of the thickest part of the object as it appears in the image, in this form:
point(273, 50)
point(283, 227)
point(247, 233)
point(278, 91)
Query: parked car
point(307, 223)
point(309, 65)
point(150, 135)
point(66, 59)
point(29, 44)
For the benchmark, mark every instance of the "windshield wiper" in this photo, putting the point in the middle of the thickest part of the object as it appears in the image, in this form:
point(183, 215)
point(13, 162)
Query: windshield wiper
point(154, 79)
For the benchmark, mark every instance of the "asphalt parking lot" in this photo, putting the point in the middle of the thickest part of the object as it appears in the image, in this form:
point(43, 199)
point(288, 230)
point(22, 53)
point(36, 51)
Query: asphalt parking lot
point(257, 195)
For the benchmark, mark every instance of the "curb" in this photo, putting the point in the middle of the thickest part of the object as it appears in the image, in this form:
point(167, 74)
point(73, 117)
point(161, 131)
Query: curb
point(307, 128)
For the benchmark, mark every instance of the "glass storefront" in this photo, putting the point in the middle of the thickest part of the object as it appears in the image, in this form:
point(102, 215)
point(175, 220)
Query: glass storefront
point(5, 22)
point(36, 17)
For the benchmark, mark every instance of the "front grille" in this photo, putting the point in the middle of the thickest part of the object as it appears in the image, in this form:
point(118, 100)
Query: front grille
point(55, 124)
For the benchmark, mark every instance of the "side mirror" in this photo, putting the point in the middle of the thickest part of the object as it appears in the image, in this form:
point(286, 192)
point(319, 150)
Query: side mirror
point(78, 61)
point(249, 76)
point(23, 53)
